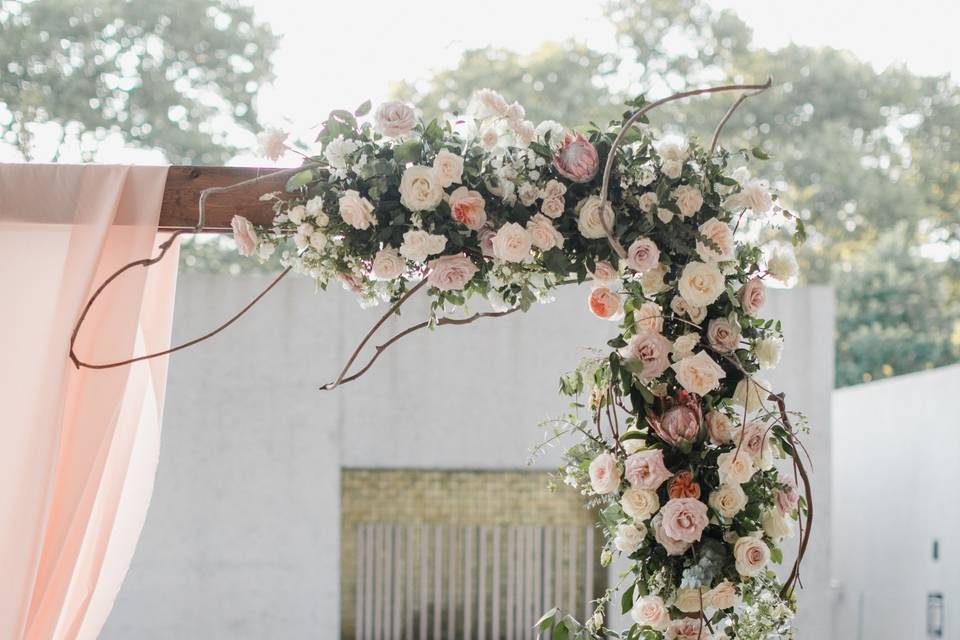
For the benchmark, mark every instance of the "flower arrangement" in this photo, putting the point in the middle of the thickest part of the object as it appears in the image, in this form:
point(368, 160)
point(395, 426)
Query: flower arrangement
point(678, 439)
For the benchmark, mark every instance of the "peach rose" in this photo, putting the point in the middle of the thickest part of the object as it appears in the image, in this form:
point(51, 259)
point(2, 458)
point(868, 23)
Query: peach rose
point(448, 168)
point(639, 504)
point(651, 611)
point(649, 349)
point(688, 629)
point(689, 200)
point(719, 427)
point(699, 374)
point(643, 254)
point(752, 556)
point(752, 296)
point(545, 236)
point(672, 546)
point(604, 273)
point(684, 519)
point(576, 159)
point(722, 596)
point(394, 119)
point(604, 474)
point(701, 283)
point(468, 208)
point(649, 316)
point(722, 336)
point(720, 234)
point(451, 273)
point(604, 303)
point(244, 234)
point(356, 210)
point(645, 470)
point(388, 265)
point(683, 485)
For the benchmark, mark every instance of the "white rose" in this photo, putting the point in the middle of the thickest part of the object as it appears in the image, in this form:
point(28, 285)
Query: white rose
point(755, 195)
point(646, 174)
point(651, 611)
point(684, 345)
point(673, 148)
point(751, 394)
point(639, 504)
point(314, 209)
point(649, 316)
point(776, 525)
point(420, 189)
point(418, 245)
point(652, 280)
point(689, 600)
point(698, 374)
point(297, 214)
point(489, 137)
point(751, 555)
point(604, 474)
point(388, 265)
point(722, 596)
point(672, 169)
point(448, 167)
point(648, 201)
point(355, 210)
point(512, 243)
point(768, 351)
point(272, 143)
point(528, 194)
point(318, 240)
point(728, 500)
point(782, 264)
point(735, 468)
point(543, 233)
point(629, 537)
point(337, 151)
point(589, 222)
point(720, 234)
point(557, 132)
point(487, 103)
point(394, 119)
point(689, 200)
point(700, 283)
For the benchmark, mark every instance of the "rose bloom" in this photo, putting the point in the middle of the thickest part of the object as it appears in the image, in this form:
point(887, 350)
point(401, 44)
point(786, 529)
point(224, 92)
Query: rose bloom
point(728, 500)
point(680, 422)
point(489, 137)
point(754, 195)
point(700, 283)
point(512, 243)
point(272, 143)
point(689, 600)
point(648, 201)
point(721, 336)
point(752, 296)
point(751, 555)
point(768, 352)
point(645, 470)
point(651, 611)
point(577, 159)
point(418, 245)
point(485, 236)
point(629, 538)
point(314, 209)
point(552, 207)
point(244, 235)
point(782, 264)
point(719, 427)
point(754, 438)
point(751, 394)
point(420, 188)
point(688, 629)
point(684, 519)
point(643, 254)
point(487, 103)
point(787, 499)
point(451, 273)
point(649, 316)
point(689, 200)
point(652, 280)
point(589, 222)
point(604, 474)
point(355, 210)
point(297, 214)
point(699, 374)
point(604, 303)
point(650, 349)
point(394, 119)
point(604, 273)
point(448, 168)
point(388, 265)
point(776, 525)
point(528, 193)
point(672, 169)
point(468, 208)
point(673, 148)
point(735, 468)
point(684, 345)
point(683, 485)
point(543, 233)
point(672, 546)
point(318, 240)
point(722, 236)
point(554, 189)
point(524, 131)
point(639, 504)
point(722, 596)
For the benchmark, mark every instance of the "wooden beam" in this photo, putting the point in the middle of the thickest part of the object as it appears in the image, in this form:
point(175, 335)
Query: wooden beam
point(182, 195)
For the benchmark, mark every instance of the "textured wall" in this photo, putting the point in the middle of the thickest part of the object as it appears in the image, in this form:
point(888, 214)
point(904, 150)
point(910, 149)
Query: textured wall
point(242, 539)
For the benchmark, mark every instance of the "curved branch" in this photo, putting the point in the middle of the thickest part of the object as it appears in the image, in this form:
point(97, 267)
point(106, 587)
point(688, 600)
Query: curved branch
point(736, 105)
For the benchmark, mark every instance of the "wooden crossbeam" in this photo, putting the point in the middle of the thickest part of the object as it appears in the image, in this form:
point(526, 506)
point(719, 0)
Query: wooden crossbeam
point(182, 195)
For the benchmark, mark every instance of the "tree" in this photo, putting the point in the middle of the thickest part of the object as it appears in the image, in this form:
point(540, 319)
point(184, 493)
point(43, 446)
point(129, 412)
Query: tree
point(174, 75)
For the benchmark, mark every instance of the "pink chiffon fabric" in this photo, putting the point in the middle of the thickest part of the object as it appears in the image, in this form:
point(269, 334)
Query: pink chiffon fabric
point(78, 448)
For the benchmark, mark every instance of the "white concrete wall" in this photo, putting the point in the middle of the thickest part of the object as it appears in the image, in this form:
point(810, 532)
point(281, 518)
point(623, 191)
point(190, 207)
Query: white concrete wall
point(895, 463)
point(242, 536)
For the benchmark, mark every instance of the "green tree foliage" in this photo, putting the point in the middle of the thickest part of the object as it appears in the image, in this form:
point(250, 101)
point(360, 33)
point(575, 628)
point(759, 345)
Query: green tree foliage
point(174, 75)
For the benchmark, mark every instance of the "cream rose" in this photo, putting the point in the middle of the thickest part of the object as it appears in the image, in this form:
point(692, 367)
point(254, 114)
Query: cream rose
point(684, 345)
point(751, 394)
point(645, 470)
point(690, 600)
point(664, 215)
point(244, 234)
point(418, 245)
point(468, 208)
point(448, 168)
point(721, 335)
point(388, 265)
point(719, 427)
point(639, 504)
point(768, 352)
point(754, 195)
point(512, 243)
point(318, 240)
point(604, 474)
point(721, 236)
point(604, 273)
point(554, 189)
point(356, 210)
point(652, 280)
point(552, 207)
point(589, 222)
point(648, 201)
point(672, 169)
point(735, 468)
point(528, 194)
point(297, 214)
point(699, 374)
point(776, 525)
point(728, 500)
point(751, 555)
point(649, 316)
point(629, 537)
point(273, 143)
point(722, 596)
point(700, 283)
point(451, 273)
point(651, 611)
point(649, 350)
point(420, 188)
point(782, 264)
point(689, 200)
point(394, 119)
point(543, 233)
point(752, 296)
point(643, 255)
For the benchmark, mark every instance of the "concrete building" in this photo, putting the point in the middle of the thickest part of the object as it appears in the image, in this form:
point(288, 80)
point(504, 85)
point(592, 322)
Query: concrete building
point(243, 537)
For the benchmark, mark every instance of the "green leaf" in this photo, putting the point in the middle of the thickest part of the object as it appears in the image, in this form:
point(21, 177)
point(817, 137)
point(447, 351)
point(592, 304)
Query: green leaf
point(759, 153)
point(546, 620)
point(344, 116)
point(363, 109)
point(626, 601)
point(409, 151)
point(299, 180)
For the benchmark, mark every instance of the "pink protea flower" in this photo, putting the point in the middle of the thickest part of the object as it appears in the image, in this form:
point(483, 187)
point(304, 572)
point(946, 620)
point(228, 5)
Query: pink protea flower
point(680, 422)
point(577, 159)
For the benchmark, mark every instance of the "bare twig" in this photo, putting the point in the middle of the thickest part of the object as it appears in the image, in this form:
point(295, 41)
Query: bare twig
point(743, 97)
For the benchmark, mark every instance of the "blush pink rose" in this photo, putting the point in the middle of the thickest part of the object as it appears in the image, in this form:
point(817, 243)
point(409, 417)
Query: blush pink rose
point(684, 519)
point(650, 349)
point(688, 629)
point(486, 236)
point(604, 273)
point(604, 474)
point(787, 499)
point(468, 208)
point(752, 296)
point(451, 273)
point(646, 470)
point(673, 546)
point(643, 255)
point(244, 235)
point(576, 159)
point(719, 428)
point(394, 119)
point(722, 336)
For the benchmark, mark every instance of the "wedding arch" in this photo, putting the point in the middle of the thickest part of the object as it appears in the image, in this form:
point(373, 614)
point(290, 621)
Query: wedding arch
point(677, 434)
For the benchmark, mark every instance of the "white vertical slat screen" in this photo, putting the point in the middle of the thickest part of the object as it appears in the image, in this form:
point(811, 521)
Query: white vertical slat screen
point(453, 582)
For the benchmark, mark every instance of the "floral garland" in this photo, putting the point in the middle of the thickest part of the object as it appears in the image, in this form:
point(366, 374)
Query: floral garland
point(677, 437)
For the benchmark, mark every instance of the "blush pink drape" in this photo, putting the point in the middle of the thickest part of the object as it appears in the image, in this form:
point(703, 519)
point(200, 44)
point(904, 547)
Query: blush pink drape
point(78, 448)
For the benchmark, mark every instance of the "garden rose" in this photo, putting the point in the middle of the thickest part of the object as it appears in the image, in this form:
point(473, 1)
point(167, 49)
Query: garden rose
point(683, 485)
point(552, 207)
point(554, 189)
point(629, 537)
point(672, 169)
point(643, 254)
point(297, 214)
point(273, 143)
point(751, 555)
point(776, 525)
point(604, 273)
point(645, 470)
point(639, 504)
point(722, 596)
point(699, 374)
point(719, 427)
point(528, 194)
point(754, 439)
point(648, 201)
point(721, 336)
point(356, 210)
point(394, 119)
point(684, 345)
point(651, 611)
point(674, 148)
point(524, 132)
point(515, 112)
point(318, 240)
point(649, 349)
point(684, 519)
point(689, 600)
point(728, 500)
point(754, 195)
point(652, 280)
point(468, 208)
point(672, 546)
point(664, 215)
point(720, 234)
point(418, 245)
point(388, 265)
point(688, 629)
point(451, 273)
point(314, 209)
point(752, 394)
point(487, 103)
point(604, 303)
point(512, 243)
point(782, 264)
point(768, 352)
point(735, 468)
point(752, 296)
point(543, 233)
point(700, 283)
point(337, 152)
point(485, 236)
point(589, 222)
point(448, 168)
point(244, 234)
point(577, 159)
point(420, 188)
point(787, 499)
point(689, 200)
point(604, 474)
point(649, 316)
